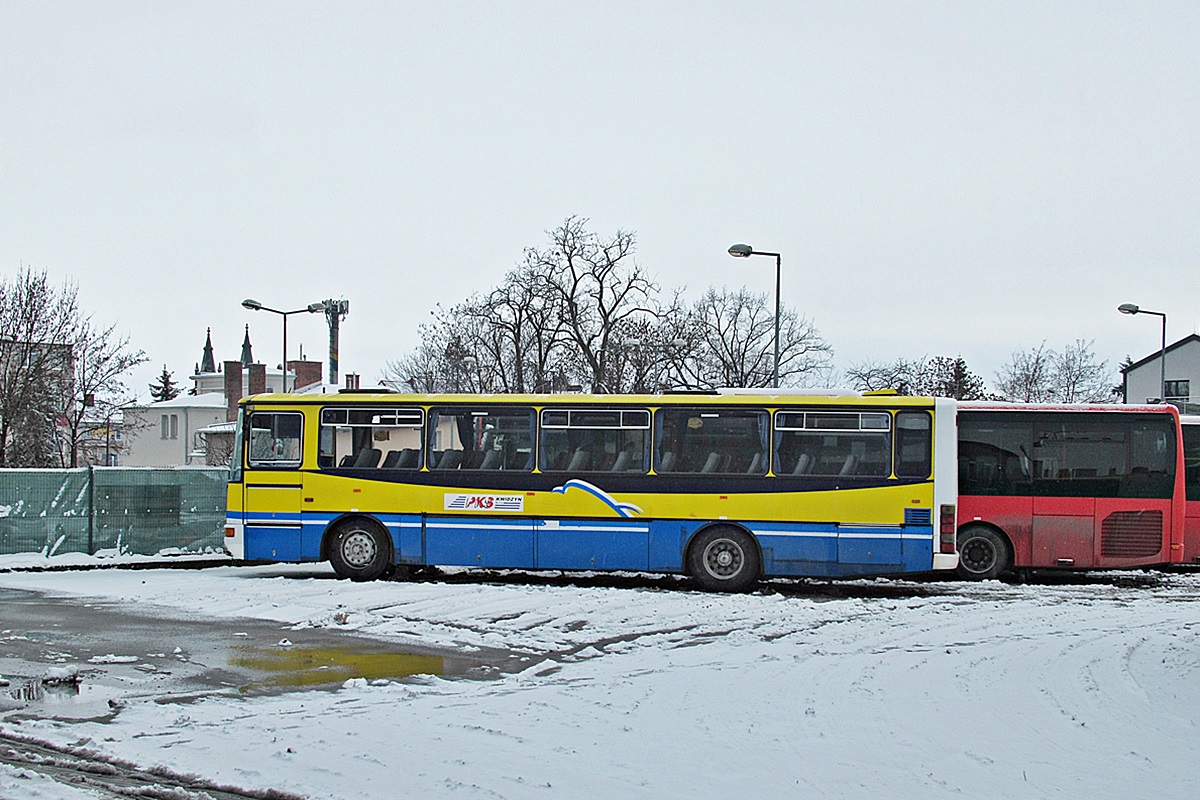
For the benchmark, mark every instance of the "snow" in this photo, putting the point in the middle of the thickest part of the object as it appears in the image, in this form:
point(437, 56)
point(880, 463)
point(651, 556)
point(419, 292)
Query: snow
point(23, 784)
point(866, 689)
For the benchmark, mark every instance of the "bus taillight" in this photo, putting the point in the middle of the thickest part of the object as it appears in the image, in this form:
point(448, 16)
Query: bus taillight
point(947, 529)
point(230, 533)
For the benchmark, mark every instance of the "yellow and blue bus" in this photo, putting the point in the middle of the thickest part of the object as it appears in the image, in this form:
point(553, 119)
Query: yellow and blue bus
point(727, 487)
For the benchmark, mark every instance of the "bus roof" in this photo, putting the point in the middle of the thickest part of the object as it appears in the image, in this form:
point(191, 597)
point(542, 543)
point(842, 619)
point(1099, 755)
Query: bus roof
point(997, 405)
point(724, 398)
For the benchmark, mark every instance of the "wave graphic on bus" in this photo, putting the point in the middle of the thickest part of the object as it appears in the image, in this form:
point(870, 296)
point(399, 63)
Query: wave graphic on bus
point(622, 509)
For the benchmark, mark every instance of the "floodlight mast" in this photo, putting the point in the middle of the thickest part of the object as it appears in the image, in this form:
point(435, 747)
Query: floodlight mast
point(335, 312)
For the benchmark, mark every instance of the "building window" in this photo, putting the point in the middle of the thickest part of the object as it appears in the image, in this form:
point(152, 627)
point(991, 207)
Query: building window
point(165, 430)
point(1177, 390)
point(174, 426)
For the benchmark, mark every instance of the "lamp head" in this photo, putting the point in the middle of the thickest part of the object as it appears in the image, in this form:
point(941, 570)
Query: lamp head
point(1128, 308)
point(313, 308)
point(253, 305)
point(741, 251)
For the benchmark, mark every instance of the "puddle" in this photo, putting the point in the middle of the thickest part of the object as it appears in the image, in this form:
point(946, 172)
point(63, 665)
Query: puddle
point(300, 666)
point(64, 701)
point(114, 655)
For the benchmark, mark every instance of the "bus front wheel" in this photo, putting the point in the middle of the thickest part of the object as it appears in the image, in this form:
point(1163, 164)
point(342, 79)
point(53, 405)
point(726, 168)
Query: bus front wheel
point(360, 551)
point(724, 559)
point(983, 554)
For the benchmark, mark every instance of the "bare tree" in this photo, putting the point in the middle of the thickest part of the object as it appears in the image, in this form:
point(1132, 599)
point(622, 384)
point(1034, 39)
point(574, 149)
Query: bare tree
point(580, 312)
point(939, 376)
point(1080, 377)
point(874, 376)
point(38, 327)
point(101, 359)
point(599, 289)
point(1028, 377)
point(522, 336)
point(1072, 375)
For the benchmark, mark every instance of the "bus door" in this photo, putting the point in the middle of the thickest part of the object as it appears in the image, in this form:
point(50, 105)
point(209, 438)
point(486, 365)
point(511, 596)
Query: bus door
point(273, 486)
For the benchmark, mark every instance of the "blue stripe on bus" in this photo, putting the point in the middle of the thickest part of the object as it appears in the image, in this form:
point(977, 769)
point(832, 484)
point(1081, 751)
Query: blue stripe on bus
point(788, 549)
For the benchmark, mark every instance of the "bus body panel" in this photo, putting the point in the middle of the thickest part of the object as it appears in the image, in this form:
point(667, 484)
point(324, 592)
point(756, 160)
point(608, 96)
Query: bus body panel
point(592, 544)
point(479, 542)
point(1191, 536)
point(526, 519)
point(1103, 523)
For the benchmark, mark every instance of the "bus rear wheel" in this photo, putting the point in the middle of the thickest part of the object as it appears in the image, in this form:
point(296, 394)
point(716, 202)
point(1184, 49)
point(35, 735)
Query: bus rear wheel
point(983, 554)
point(724, 559)
point(360, 550)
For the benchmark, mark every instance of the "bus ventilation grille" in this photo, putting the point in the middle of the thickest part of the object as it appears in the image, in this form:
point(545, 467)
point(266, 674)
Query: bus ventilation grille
point(918, 516)
point(1131, 534)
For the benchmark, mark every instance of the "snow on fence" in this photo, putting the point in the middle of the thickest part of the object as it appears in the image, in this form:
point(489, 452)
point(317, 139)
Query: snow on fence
point(112, 510)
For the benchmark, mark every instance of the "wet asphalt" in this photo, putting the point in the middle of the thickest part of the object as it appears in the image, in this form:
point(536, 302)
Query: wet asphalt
point(73, 659)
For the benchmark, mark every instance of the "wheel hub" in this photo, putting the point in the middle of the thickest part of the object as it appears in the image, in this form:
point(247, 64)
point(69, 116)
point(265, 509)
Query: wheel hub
point(358, 549)
point(978, 555)
point(723, 559)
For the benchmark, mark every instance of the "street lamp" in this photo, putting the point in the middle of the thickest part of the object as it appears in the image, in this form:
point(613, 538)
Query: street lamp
point(1131, 308)
point(745, 251)
point(311, 308)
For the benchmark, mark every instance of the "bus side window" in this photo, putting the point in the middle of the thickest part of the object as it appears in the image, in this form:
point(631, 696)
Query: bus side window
point(914, 444)
point(713, 441)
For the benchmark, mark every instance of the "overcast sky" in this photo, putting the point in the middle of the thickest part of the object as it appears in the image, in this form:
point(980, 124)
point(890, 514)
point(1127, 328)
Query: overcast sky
point(941, 178)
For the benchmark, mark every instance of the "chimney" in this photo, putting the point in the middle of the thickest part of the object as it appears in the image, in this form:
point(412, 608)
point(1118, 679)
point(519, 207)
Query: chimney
point(307, 373)
point(233, 388)
point(351, 380)
point(258, 379)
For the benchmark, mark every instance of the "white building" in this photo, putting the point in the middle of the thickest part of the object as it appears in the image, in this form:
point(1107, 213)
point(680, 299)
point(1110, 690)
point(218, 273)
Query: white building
point(183, 431)
point(164, 434)
point(1181, 377)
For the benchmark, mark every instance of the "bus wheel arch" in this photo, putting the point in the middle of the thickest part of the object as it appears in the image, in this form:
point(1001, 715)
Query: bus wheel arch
point(984, 552)
point(358, 547)
point(723, 557)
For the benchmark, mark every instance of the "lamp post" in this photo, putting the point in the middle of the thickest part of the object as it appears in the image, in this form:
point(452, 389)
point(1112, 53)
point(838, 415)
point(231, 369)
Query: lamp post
point(1131, 308)
point(745, 251)
point(311, 308)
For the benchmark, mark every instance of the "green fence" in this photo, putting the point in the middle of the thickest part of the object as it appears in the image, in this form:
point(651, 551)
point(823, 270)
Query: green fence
point(112, 510)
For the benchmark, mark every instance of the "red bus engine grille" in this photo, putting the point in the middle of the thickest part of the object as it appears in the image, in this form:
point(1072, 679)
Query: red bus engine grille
point(1131, 534)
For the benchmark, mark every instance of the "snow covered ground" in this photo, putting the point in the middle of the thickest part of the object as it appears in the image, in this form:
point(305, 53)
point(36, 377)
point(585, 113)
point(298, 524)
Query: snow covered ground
point(873, 689)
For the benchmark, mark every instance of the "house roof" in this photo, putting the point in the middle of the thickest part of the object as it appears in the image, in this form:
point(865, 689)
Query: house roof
point(1189, 339)
point(206, 400)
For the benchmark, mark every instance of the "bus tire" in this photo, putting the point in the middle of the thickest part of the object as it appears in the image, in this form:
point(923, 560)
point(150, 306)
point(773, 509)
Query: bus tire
point(983, 554)
point(360, 550)
point(724, 559)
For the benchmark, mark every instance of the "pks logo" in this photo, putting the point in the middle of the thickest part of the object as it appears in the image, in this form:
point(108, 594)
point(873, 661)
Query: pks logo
point(484, 502)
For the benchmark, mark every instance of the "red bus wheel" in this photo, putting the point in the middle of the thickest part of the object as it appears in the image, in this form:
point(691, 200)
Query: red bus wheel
point(983, 554)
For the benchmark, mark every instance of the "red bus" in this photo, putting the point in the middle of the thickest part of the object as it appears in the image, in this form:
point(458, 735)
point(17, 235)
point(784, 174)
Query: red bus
point(1070, 487)
point(1191, 479)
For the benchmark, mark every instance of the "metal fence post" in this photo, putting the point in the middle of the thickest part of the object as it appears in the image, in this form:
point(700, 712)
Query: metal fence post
point(91, 509)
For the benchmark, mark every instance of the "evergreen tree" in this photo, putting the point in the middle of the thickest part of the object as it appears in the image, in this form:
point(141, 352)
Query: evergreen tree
point(165, 388)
